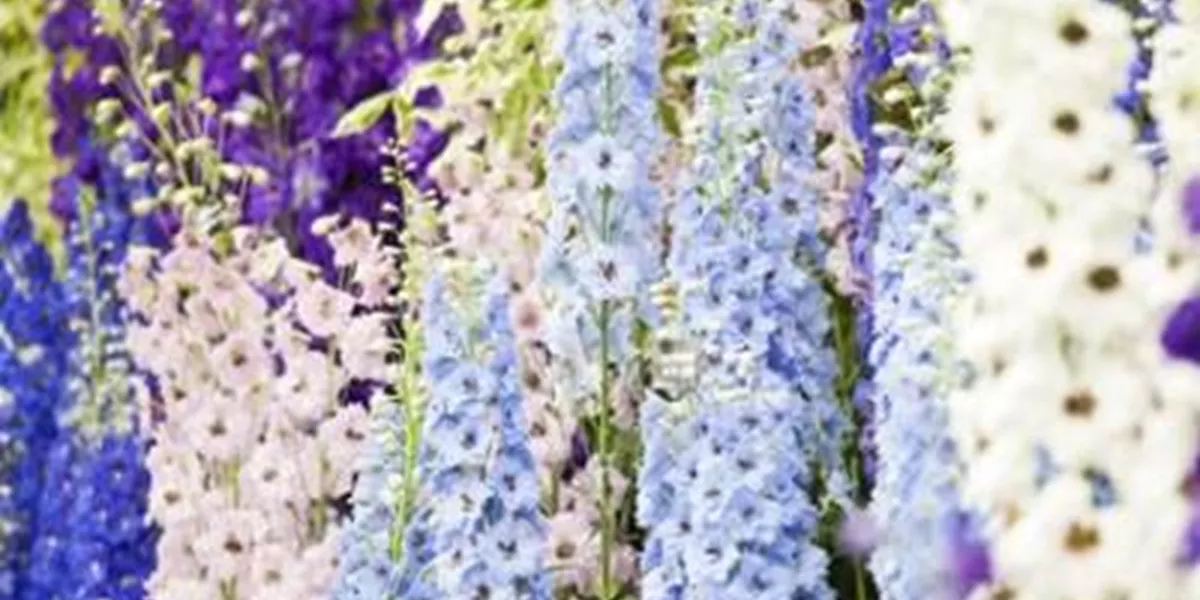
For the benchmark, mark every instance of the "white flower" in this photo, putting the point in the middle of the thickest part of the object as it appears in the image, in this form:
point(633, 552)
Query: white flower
point(1060, 527)
point(1092, 421)
point(226, 548)
point(1000, 474)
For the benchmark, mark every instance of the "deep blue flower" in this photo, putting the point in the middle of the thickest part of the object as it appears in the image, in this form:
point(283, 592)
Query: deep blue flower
point(79, 512)
point(35, 345)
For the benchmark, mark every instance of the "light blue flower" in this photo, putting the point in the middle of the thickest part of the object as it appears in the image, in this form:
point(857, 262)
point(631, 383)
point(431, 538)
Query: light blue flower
point(917, 271)
point(366, 567)
point(477, 531)
point(729, 466)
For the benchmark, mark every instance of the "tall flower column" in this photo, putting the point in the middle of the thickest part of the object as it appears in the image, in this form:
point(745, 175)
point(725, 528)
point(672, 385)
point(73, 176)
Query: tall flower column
point(599, 256)
point(744, 420)
point(1075, 432)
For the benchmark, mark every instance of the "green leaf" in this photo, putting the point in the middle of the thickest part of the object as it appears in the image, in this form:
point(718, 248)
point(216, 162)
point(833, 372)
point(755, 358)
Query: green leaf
point(685, 56)
point(669, 115)
point(364, 115)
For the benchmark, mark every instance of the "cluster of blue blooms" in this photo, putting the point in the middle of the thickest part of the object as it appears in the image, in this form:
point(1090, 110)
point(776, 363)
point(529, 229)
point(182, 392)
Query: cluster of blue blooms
point(905, 246)
point(599, 258)
point(915, 276)
point(368, 569)
point(78, 474)
point(600, 251)
point(729, 468)
point(477, 531)
point(34, 351)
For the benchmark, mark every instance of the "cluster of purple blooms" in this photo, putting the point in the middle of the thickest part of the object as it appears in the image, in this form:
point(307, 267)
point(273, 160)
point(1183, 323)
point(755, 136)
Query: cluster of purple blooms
point(312, 61)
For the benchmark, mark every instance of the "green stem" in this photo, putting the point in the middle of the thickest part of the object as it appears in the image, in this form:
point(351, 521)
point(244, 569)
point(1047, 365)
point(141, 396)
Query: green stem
point(409, 388)
point(603, 443)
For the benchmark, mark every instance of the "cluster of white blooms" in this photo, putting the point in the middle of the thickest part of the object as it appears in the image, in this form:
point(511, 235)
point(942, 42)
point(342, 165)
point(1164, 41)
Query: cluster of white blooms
point(1175, 103)
point(1077, 433)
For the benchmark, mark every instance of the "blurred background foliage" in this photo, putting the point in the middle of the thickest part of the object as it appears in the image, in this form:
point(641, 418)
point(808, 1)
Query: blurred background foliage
point(27, 164)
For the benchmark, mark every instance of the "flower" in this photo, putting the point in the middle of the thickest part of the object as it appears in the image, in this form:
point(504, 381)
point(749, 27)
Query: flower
point(599, 250)
point(368, 568)
point(249, 459)
point(283, 74)
point(917, 277)
point(477, 529)
point(1066, 487)
point(35, 346)
point(724, 486)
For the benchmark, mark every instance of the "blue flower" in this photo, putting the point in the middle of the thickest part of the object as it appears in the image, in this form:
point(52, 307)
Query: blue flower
point(724, 489)
point(367, 569)
point(35, 345)
point(477, 531)
point(81, 528)
point(93, 540)
point(917, 271)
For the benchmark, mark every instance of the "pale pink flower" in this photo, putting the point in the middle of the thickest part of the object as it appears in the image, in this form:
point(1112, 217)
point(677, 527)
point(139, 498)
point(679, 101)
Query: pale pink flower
point(324, 310)
point(624, 405)
point(243, 363)
point(177, 479)
point(625, 563)
point(352, 244)
point(176, 557)
point(365, 346)
point(312, 469)
point(548, 439)
point(177, 588)
point(528, 314)
point(225, 549)
point(318, 564)
point(307, 388)
point(340, 440)
point(572, 551)
point(270, 473)
point(269, 570)
point(218, 429)
point(374, 277)
point(249, 437)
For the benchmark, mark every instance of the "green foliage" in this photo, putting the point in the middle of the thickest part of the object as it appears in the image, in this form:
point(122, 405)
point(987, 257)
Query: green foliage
point(26, 163)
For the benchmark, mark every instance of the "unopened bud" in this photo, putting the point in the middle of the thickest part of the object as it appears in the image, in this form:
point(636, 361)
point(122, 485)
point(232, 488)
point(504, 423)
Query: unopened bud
point(144, 206)
point(207, 106)
point(109, 75)
point(107, 109)
point(136, 170)
point(258, 175)
point(250, 62)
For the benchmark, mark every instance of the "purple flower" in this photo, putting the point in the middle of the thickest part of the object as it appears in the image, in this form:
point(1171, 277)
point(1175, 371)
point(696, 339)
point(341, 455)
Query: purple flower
point(858, 534)
point(315, 59)
point(1181, 335)
point(1191, 204)
point(970, 562)
point(1190, 553)
point(69, 26)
